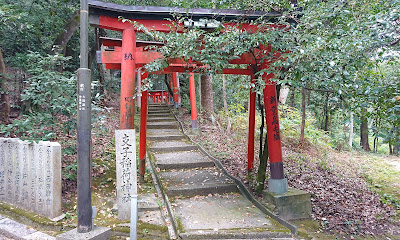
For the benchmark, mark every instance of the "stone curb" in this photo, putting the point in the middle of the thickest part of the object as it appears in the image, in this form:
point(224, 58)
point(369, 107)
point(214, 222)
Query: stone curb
point(18, 231)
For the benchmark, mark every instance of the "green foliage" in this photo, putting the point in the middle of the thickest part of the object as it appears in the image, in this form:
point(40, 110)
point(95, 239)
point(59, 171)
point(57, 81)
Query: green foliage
point(290, 122)
point(32, 25)
point(48, 96)
point(70, 172)
point(391, 201)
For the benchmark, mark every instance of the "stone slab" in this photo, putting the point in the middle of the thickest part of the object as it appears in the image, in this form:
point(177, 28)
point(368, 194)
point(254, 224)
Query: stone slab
point(181, 160)
point(162, 125)
point(147, 202)
point(152, 217)
point(39, 236)
point(197, 182)
point(234, 235)
point(172, 146)
point(219, 214)
point(2, 169)
point(126, 170)
point(295, 204)
point(52, 174)
point(98, 233)
point(14, 229)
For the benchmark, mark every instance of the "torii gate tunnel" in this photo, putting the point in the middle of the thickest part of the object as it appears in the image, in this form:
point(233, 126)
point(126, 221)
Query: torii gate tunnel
point(128, 54)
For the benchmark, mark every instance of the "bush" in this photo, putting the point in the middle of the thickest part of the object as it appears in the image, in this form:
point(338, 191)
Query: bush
point(49, 100)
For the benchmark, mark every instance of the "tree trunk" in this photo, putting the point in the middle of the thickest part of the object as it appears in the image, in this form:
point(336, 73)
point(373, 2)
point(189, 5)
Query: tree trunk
point(263, 153)
point(303, 115)
point(351, 130)
point(308, 97)
point(228, 127)
point(4, 98)
point(168, 85)
point(326, 113)
point(284, 93)
point(364, 132)
point(207, 99)
point(291, 104)
point(100, 33)
point(63, 38)
point(262, 169)
point(396, 149)
point(200, 107)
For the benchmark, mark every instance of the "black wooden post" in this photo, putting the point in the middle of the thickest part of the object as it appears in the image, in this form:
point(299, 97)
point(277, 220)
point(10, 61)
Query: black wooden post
point(84, 128)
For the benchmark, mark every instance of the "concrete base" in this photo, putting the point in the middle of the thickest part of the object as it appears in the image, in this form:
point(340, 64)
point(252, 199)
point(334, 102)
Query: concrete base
point(278, 186)
point(98, 233)
point(295, 204)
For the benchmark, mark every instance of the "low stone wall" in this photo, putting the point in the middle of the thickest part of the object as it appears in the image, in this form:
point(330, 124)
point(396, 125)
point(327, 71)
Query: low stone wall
point(30, 175)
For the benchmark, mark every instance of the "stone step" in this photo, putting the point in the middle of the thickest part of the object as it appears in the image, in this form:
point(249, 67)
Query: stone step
point(225, 216)
point(147, 202)
point(151, 111)
point(172, 146)
point(182, 160)
point(158, 110)
point(162, 125)
point(158, 105)
point(166, 137)
point(159, 115)
point(161, 119)
point(197, 182)
point(159, 132)
point(151, 107)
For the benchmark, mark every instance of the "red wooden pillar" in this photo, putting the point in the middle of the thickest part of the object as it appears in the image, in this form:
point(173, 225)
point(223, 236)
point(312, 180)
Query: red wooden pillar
point(252, 122)
point(143, 124)
point(175, 89)
point(127, 111)
point(139, 88)
point(193, 108)
point(277, 182)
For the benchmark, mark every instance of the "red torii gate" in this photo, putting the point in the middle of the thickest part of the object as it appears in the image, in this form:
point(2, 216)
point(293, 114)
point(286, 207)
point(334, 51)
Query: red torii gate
point(130, 54)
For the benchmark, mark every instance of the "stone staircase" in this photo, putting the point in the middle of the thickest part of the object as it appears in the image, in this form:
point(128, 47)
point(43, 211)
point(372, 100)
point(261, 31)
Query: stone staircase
point(206, 204)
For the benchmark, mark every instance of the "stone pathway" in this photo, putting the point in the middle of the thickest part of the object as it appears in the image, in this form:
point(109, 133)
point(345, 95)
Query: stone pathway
point(205, 203)
point(10, 229)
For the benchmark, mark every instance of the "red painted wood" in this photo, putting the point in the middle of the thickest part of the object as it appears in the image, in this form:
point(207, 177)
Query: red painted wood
point(252, 122)
point(143, 126)
point(115, 66)
point(145, 57)
point(128, 66)
point(155, 25)
point(272, 120)
point(175, 86)
point(112, 42)
point(236, 71)
point(111, 57)
point(192, 96)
